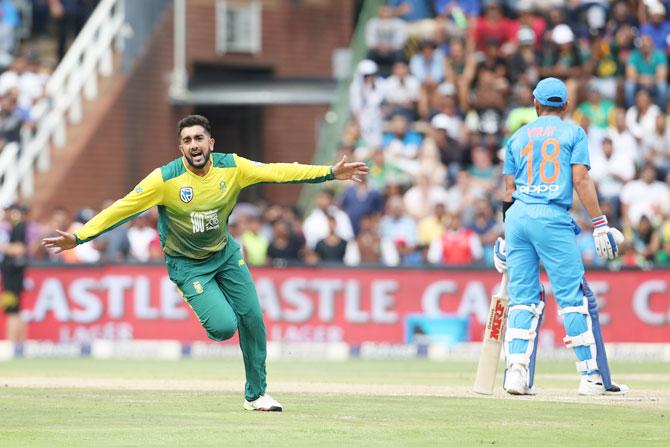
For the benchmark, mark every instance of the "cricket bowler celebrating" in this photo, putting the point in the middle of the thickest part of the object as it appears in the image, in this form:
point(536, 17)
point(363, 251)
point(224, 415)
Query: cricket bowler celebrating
point(195, 195)
point(544, 161)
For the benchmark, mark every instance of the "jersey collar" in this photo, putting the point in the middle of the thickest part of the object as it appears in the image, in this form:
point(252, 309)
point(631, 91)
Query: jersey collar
point(203, 177)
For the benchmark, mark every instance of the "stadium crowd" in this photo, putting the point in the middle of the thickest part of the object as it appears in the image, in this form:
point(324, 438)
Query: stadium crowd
point(34, 35)
point(444, 84)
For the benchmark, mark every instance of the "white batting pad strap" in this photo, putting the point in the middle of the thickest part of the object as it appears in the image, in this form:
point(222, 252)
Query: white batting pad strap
point(574, 309)
point(519, 334)
point(518, 358)
point(587, 365)
point(583, 339)
point(529, 334)
point(535, 309)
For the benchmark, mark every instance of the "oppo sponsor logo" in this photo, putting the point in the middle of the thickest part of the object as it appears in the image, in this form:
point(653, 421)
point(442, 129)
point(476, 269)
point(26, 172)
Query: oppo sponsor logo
point(538, 189)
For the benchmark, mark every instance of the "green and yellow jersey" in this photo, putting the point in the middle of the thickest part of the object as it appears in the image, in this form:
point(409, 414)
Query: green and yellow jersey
point(193, 210)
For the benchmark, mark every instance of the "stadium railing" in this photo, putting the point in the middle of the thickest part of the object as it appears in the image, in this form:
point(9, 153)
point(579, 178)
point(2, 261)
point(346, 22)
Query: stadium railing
point(75, 79)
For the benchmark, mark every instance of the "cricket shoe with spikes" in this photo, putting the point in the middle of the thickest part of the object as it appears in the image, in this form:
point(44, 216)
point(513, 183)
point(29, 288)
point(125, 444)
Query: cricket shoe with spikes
point(263, 403)
point(516, 381)
point(592, 385)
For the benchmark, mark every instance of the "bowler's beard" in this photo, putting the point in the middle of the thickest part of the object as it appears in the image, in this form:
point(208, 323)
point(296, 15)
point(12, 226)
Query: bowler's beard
point(197, 165)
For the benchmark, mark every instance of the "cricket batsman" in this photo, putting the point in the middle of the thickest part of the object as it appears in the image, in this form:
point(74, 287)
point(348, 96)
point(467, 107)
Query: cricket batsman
point(544, 161)
point(195, 195)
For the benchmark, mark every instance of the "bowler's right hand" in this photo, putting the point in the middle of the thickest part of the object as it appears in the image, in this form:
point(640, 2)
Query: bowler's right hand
point(500, 256)
point(65, 241)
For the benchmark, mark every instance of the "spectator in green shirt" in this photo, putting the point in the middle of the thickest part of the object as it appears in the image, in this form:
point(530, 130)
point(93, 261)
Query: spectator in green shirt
point(254, 243)
point(523, 111)
point(647, 68)
point(598, 110)
point(663, 255)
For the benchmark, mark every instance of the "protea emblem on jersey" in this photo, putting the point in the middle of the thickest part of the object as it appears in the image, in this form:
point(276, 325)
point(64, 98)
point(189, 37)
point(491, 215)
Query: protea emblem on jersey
point(186, 194)
point(222, 186)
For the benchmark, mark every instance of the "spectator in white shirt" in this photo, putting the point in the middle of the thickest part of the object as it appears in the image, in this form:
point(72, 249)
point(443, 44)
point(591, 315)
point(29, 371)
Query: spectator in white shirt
point(610, 171)
point(385, 37)
point(641, 118)
point(656, 146)
point(644, 196)
point(402, 91)
point(623, 140)
point(366, 95)
point(140, 236)
point(316, 227)
point(82, 253)
point(420, 199)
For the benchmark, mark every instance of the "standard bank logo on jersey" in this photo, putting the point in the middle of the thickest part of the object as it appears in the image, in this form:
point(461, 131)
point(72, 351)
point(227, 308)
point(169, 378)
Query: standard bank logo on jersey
point(538, 189)
point(186, 194)
point(204, 220)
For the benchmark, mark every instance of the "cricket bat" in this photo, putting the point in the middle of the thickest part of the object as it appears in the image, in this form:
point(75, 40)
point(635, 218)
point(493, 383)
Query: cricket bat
point(494, 334)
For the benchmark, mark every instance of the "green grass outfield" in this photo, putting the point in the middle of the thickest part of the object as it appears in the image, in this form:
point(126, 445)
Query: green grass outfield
point(383, 402)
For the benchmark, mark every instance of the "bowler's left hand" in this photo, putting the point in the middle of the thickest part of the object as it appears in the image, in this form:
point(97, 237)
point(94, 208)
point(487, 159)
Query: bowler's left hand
point(65, 241)
point(355, 171)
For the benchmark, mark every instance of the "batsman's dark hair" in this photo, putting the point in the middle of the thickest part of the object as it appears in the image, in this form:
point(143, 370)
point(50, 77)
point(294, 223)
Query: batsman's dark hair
point(194, 120)
point(541, 109)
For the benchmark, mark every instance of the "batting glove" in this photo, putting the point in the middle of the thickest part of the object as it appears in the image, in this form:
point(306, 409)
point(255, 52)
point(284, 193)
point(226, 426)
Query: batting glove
point(499, 256)
point(607, 240)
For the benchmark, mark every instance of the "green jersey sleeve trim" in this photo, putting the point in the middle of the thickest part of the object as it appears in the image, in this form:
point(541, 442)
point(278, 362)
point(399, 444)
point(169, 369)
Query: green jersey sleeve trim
point(253, 173)
point(173, 169)
point(223, 160)
point(321, 179)
point(162, 224)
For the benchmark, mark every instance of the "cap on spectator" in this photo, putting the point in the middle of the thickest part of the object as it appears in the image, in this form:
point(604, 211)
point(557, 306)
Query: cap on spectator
point(562, 34)
point(18, 207)
point(446, 123)
point(524, 6)
point(551, 92)
point(657, 8)
point(596, 17)
point(367, 67)
point(446, 89)
point(488, 3)
point(428, 43)
point(526, 36)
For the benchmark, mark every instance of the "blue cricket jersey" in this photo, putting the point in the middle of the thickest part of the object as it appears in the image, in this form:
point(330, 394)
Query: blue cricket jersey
point(540, 155)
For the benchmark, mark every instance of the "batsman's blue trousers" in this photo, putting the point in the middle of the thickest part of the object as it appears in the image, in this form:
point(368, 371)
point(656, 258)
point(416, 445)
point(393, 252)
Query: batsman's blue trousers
point(539, 232)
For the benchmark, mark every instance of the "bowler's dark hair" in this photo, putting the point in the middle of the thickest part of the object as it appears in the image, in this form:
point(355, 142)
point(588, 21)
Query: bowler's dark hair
point(194, 120)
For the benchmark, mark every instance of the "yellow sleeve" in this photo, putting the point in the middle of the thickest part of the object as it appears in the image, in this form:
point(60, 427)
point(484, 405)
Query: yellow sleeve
point(252, 172)
point(148, 193)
